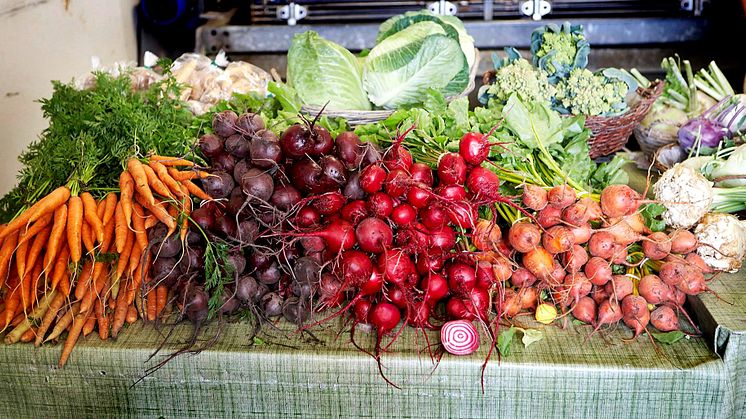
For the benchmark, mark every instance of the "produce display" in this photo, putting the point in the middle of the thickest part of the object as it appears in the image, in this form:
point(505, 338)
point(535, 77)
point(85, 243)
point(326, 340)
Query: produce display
point(449, 220)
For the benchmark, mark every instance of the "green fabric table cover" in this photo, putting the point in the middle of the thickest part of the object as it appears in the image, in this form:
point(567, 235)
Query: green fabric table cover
point(565, 374)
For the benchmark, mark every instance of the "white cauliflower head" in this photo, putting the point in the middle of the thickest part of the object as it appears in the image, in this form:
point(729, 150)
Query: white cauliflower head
point(686, 194)
point(722, 241)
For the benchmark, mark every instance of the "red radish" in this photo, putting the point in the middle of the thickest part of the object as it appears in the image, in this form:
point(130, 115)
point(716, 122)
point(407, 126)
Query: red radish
point(509, 304)
point(601, 244)
point(609, 312)
point(672, 273)
point(443, 238)
point(561, 196)
point(307, 217)
point(522, 278)
point(459, 337)
point(664, 319)
point(396, 267)
point(485, 275)
point(418, 197)
point(452, 169)
point(549, 216)
point(372, 178)
point(456, 309)
point(354, 211)
point(582, 233)
point(598, 270)
point(619, 200)
point(420, 172)
point(435, 287)
point(528, 297)
point(403, 215)
point(477, 301)
point(397, 182)
point(380, 204)
point(433, 216)
point(585, 310)
point(462, 278)
point(534, 197)
point(486, 235)
point(653, 289)
point(474, 147)
point(524, 236)
point(362, 310)
point(372, 285)
point(575, 259)
point(683, 241)
point(539, 262)
point(657, 246)
point(576, 214)
point(374, 235)
point(356, 267)
point(557, 239)
point(620, 287)
point(328, 203)
point(592, 209)
point(451, 192)
point(636, 314)
point(501, 269)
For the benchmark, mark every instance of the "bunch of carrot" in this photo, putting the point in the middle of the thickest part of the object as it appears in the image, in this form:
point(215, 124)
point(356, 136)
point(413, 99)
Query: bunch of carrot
point(76, 264)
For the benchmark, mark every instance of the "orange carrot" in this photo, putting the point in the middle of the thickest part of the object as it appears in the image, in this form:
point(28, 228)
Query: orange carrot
point(186, 207)
point(187, 174)
point(60, 267)
point(26, 292)
point(126, 191)
point(33, 290)
point(74, 226)
point(89, 324)
point(196, 191)
point(137, 278)
point(102, 320)
point(72, 337)
point(161, 297)
point(6, 253)
point(155, 183)
point(63, 323)
point(35, 250)
point(120, 312)
point(134, 261)
point(64, 286)
point(120, 230)
point(28, 335)
point(110, 205)
point(138, 225)
point(152, 305)
point(55, 238)
point(42, 207)
point(150, 221)
point(49, 316)
point(171, 161)
point(107, 244)
point(162, 172)
point(173, 212)
point(90, 213)
point(158, 210)
point(141, 180)
point(87, 235)
point(41, 224)
point(12, 303)
point(131, 314)
point(21, 257)
point(124, 255)
point(84, 279)
point(98, 282)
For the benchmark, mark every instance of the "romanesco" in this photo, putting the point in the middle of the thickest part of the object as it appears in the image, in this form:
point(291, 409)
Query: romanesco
point(520, 77)
point(586, 93)
point(559, 49)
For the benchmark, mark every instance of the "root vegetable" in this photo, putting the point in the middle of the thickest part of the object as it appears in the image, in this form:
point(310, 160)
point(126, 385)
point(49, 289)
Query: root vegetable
point(664, 318)
point(534, 197)
point(635, 313)
point(620, 287)
point(374, 235)
point(585, 310)
point(561, 196)
point(524, 236)
point(657, 246)
point(619, 200)
point(683, 241)
point(557, 239)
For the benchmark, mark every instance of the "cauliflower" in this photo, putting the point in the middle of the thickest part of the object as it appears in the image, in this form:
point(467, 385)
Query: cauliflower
point(586, 93)
point(686, 194)
point(722, 241)
point(520, 77)
point(559, 49)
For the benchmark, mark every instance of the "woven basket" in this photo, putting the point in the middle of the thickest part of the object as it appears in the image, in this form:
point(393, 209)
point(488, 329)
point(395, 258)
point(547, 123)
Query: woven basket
point(609, 134)
point(355, 118)
point(649, 144)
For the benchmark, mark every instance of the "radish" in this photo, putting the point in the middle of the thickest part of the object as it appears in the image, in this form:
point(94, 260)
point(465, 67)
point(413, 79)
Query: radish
point(598, 271)
point(585, 310)
point(374, 235)
point(452, 169)
point(561, 196)
point(619, 200)
point(459, 337)
point(635, 313)
point(664, 319)
point(534, 197)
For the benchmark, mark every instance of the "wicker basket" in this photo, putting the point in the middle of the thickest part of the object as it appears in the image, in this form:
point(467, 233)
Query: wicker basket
point(355, 118)
point(649, 144)
point(609, 134)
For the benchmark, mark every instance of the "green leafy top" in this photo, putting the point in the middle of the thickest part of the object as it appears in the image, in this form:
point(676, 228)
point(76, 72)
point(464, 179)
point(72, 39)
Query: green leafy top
point(559, 49)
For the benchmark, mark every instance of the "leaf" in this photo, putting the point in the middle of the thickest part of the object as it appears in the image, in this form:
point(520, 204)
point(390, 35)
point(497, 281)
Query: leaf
point(535, 124)
point(504, 340)
point(668, 338)
point(434, 100)
point(577, 322)
point(530, 336)
point(652, 215)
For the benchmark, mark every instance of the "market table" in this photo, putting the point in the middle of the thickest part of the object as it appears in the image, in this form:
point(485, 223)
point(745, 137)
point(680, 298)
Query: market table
point(289, 374)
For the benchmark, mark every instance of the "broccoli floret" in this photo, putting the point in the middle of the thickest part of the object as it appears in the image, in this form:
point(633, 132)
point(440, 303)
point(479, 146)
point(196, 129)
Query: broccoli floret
point(520, 77)
point(559, 49)
point(586, 93)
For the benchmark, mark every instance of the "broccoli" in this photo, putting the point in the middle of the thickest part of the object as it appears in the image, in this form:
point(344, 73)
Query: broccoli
point(586, 93)
point(559, 49)
point(516, 75)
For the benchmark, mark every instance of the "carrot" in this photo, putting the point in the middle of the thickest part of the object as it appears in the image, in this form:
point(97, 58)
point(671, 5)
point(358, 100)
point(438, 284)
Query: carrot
point(171, 161)
point(60, 267)
point(54, 307)
point(120, 312)
point(42, 207)
point(21, 257)
point(26, 292)
point(90, 213)
point(72, 337)
point(34, 288)
point(162, 172)
point(187, 174)
point(131, 314)
point(90, 323)
point(6, 253)
point(106, 245)
point(31, 232)
point(12, 304)
point(134, 261)
point(29, 335)
point(186, 208)
point(102, 320)
point(74, 226)
point(158, 210)
point(84, 279)
point(97, 283)
point(150, 221)
point(173, 212)
point(141, 180)
point(63, 323)
point(152, 305)
point(140, 304)
point(195, 190)
point(138, 225)
point(36, 315)
point(137, 279)
point(121, 231)
point(64, 286)
point(126, 191)
point(55, 238)
point(124, 255)
point(155, 183)
point(161, 297)
point(88, 241)
point(110, 205)
point(35, 250)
